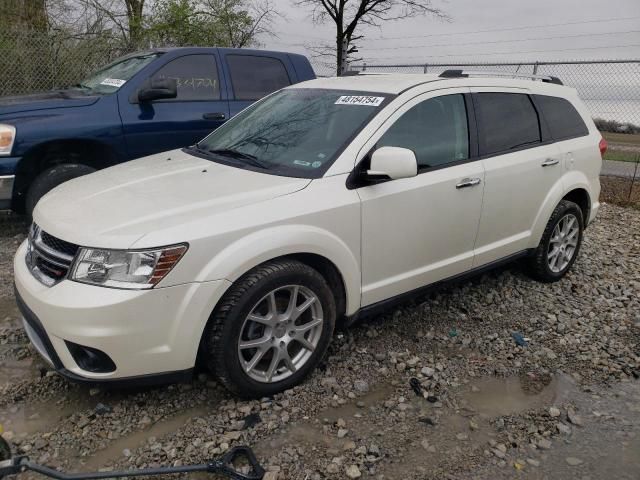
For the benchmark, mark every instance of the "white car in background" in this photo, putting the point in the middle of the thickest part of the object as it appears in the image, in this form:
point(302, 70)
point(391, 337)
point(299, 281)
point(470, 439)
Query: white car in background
point(319, 203)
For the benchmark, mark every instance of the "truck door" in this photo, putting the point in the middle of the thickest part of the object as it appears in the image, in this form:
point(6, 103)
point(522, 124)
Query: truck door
point(200, 107)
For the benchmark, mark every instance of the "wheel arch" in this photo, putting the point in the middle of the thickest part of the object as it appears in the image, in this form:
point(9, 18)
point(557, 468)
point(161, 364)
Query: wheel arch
point(313, 246)
point(90, 152)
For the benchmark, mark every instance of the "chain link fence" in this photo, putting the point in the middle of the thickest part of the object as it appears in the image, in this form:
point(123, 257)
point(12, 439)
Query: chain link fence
point(36, 61)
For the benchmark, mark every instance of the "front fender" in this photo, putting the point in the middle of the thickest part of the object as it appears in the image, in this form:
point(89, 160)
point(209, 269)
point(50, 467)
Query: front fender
point(252, 250)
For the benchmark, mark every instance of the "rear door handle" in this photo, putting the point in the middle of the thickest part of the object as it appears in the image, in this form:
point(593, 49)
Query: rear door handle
point(468, 182)
point(214, 116)
point(550, 162)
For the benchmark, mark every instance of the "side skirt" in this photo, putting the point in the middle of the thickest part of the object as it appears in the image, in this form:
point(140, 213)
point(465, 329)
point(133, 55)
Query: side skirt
point(383, 305)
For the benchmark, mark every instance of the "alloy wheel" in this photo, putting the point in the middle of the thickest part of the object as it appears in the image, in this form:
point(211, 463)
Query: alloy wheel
point(563, 243)
point(280, 333)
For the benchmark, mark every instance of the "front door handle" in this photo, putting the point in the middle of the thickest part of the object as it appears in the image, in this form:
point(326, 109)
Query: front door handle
point(550, 162)
point(468, 182)
point(214, 116)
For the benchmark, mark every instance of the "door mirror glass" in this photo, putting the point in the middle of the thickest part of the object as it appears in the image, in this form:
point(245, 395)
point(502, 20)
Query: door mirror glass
point(158, 89)
point(393, 162)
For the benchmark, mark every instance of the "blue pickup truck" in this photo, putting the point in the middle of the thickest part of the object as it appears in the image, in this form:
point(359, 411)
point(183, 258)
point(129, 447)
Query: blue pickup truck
point(140, 104)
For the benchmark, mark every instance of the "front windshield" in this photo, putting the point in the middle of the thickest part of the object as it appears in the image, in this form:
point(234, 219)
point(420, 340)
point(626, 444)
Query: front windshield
point(115, 75)
point(295, 132)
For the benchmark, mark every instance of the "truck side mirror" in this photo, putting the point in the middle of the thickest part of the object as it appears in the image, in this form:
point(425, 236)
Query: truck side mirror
point(158, 89)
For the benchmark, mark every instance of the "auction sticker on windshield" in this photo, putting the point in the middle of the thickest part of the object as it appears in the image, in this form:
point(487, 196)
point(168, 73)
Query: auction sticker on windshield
point(359, 100)
point(113, 82)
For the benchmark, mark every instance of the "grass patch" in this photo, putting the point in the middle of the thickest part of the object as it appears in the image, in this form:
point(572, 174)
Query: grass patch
point(622, 138)
point(622, 156)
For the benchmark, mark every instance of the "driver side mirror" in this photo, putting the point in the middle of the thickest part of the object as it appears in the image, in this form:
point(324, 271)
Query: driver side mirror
point(394, 163)
point(158, 89)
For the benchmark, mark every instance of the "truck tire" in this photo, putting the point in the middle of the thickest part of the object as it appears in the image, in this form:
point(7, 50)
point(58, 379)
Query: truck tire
point(51, 178)
point(559, 245)
point(270, 329)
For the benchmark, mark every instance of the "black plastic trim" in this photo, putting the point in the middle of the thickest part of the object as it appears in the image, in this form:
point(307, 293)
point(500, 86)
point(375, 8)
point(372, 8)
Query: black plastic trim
point(154, 379)
point(34, 323)
point(382, 305)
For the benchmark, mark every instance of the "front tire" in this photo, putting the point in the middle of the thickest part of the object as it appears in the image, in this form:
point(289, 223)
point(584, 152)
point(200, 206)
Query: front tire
point(51, 178)
point(560, 243)
point(271, 329)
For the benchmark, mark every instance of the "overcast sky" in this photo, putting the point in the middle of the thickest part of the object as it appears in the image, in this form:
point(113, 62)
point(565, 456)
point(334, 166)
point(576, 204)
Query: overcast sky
point(544, 30)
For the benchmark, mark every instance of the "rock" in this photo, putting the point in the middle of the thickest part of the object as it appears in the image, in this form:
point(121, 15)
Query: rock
point(333, 468)
point(101, 409)
point(574, 418)
point(554, 412)
point(462, 436)
point(562, 428)
point(361, 386)
point(533, 462)
point(425, 443)
point(498, 453)
point(544, 444)
point(271, 475)
point(573, 461)
point(352, 471)
point(427, 372)
point(349, 445)
point(412, 362)
point(342, 432)
point(340, 423)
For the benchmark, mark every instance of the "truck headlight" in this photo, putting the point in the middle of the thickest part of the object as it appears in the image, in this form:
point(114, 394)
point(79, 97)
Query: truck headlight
point(7, 136)
point(135, 269)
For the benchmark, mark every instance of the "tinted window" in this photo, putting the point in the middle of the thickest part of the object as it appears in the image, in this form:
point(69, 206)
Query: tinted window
point(436, 130)
point(561, 117)
point(506, 121)
point(195, 75)
point(255, 77)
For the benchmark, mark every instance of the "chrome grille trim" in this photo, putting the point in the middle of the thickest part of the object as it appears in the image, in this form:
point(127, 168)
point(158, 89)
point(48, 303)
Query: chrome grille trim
point(47, 264)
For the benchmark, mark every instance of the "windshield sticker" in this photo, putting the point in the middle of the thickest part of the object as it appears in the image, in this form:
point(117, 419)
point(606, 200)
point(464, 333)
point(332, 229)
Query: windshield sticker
point(316, 164)
point(113, 82)
point(302, 162)
point(359, 100)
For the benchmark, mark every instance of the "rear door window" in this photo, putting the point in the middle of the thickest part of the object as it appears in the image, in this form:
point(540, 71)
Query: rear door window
point(254, 77)
point(196, 77)
point(563, 119)
point(507, 121)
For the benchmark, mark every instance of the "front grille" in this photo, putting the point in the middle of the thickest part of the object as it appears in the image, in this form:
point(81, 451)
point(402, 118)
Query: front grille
point(49, 258)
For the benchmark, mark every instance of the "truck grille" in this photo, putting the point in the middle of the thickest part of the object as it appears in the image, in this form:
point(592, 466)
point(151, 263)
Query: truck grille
point(49, 258)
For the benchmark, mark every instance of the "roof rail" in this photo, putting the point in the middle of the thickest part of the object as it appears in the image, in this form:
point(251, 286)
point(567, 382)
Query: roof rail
point(467, 73)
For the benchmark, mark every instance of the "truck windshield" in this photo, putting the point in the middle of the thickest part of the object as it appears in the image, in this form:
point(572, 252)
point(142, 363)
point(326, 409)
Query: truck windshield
point(295, 132)
point(115, 75)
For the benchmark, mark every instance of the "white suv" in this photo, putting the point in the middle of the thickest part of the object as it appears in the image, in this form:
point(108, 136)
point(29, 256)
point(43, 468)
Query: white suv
point(314, 205)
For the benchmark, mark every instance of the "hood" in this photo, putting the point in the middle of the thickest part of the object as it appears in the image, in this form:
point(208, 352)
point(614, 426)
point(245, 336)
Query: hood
point(46, 100)
point(117, 206)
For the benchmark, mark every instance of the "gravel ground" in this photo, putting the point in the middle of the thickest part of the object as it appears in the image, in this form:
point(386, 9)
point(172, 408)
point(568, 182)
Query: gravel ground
point(564, 406)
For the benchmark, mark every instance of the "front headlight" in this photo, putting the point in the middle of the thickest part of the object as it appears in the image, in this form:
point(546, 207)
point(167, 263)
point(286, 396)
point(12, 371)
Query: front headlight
point(138, 269)
point(7, 136)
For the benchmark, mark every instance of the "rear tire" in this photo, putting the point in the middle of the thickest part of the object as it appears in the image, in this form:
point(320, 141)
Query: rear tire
point(51, 178)
point(559, 245)
point(262, 308)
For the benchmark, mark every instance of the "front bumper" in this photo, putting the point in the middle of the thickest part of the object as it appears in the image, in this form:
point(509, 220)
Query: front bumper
point(147, 333)
point(6, 190)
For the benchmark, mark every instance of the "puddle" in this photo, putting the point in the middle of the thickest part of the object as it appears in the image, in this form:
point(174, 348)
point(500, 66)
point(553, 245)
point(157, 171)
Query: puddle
point(507, 396)
point(38, 417)
point(12, 371)
point(139, 438)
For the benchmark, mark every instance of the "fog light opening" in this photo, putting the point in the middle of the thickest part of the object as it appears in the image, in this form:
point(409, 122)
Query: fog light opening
point(91, 359)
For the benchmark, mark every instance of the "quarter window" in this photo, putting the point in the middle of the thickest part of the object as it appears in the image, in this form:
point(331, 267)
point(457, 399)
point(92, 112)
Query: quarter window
point(196, 77)
point(255, 77)
point(435, 130)
point(507, 121)
point(562, 118)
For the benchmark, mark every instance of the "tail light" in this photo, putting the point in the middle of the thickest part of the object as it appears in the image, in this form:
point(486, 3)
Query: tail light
point(603, 147)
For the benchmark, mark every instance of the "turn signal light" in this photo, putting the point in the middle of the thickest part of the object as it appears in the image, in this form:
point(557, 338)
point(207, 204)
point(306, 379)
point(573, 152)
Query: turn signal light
point(603, 147)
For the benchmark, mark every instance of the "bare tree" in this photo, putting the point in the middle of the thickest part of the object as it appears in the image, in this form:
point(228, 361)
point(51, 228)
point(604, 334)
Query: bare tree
point(348, 15)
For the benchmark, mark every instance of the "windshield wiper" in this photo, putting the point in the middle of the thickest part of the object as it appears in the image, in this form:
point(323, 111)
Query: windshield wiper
point(229, 152)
